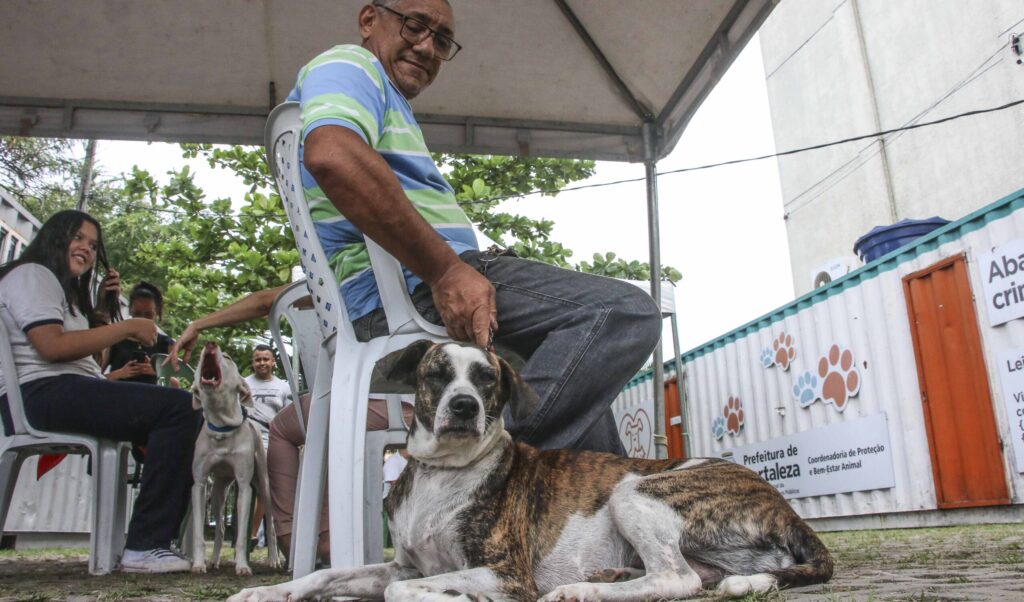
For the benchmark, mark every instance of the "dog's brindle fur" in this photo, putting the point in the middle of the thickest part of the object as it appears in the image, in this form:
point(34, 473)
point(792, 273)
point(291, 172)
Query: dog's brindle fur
point(475, 516)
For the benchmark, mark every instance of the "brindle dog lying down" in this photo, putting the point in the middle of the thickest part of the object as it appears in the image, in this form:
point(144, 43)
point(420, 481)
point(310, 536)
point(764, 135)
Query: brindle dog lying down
point(476, 516)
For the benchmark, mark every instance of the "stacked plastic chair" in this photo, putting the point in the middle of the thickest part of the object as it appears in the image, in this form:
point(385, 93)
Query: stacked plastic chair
point(337, 417)
point(305, 340)
point(109, 467)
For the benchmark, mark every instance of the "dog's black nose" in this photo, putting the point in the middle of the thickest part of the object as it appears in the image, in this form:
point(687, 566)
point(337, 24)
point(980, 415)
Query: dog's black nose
point(464, 407)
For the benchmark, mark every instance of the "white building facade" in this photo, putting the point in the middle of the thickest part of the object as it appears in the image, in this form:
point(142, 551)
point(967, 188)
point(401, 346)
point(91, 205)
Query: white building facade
point(837, 69)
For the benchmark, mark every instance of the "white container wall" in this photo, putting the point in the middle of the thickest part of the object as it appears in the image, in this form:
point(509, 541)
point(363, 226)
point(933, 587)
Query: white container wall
point(59, 502)
point(828, 384)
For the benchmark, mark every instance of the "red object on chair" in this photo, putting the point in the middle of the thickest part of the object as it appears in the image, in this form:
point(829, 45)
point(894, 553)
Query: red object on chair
point(47, 462)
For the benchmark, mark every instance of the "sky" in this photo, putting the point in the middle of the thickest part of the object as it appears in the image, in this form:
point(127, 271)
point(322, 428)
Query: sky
point(722, 228)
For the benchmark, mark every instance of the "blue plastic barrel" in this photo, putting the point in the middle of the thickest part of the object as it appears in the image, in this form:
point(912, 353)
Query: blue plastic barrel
point(885, 239)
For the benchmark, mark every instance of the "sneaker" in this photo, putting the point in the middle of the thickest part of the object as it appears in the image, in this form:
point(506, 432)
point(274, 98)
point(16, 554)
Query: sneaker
point(157, 560)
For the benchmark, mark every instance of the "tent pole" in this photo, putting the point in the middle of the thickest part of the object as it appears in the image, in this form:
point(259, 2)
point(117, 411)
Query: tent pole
point(650, 167)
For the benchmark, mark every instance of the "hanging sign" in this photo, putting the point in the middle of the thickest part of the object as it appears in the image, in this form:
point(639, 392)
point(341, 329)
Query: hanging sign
point(1011, 375)
point(1002, 280)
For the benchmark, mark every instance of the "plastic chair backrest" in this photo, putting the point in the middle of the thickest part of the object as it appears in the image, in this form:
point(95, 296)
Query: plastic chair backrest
point(11, 386)
point(305, 343)
point(284, 133)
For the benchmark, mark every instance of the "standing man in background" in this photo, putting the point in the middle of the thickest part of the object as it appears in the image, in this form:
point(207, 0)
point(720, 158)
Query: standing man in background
point(269, 396)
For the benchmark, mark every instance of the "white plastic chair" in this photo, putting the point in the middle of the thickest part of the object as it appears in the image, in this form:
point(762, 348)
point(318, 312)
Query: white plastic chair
point(109, 467)
point(305, 344)
point(339, 400)
point(305, 341)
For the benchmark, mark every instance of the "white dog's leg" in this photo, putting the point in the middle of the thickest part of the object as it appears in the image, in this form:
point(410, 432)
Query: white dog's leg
point(478, 585)
point(362, 582)
point(242, 526)
point(198, 518)
point(218, 495)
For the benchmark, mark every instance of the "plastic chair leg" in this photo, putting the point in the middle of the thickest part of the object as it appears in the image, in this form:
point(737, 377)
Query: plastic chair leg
point(10, 465)
point(310, 490)
point(104, 540)
point(348, 454)
point(120, 521)
point(373, 533)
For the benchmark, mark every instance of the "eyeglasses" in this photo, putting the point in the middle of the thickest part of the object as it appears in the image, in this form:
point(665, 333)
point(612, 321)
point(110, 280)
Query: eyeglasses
point(415, 31)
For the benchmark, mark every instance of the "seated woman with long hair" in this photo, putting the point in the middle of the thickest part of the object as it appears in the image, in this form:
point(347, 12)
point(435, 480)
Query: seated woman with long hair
point(55, 333)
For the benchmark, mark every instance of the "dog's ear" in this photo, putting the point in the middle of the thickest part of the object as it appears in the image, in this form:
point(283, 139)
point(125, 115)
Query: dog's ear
point(519, 396)
point(401, 367)
point(244, 393)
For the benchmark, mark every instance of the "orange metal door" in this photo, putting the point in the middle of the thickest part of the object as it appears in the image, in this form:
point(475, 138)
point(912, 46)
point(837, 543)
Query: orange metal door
point(967, 461)
point(674, 432)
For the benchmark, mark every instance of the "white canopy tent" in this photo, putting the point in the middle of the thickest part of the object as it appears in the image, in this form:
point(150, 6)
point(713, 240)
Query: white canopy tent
point(588, 79)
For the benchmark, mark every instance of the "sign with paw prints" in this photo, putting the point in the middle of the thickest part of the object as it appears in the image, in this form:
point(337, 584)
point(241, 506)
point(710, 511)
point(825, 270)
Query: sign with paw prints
point(636, 428)
point(781, 353)
point(835, 380)
point(730, 420)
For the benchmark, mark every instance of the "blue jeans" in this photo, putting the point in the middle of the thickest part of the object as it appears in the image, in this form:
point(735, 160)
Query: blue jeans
point(583, 338)
point(161, 418)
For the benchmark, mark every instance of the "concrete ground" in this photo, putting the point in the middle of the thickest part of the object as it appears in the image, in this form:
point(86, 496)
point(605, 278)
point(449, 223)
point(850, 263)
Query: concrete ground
point(921, 565)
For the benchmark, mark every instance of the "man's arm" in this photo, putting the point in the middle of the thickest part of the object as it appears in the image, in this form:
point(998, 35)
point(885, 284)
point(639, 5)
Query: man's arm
point(252, 306)
point(359, 182)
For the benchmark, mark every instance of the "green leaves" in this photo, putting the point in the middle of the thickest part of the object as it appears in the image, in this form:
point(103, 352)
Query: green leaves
point(615, 267)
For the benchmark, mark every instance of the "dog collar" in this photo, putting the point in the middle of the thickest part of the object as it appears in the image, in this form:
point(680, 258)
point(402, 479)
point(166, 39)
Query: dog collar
point(227, 429)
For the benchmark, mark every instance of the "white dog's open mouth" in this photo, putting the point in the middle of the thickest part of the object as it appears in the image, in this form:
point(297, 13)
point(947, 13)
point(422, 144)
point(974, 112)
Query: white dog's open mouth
point(209, 369)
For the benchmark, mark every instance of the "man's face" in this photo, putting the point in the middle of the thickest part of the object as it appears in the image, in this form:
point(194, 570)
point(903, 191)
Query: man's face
point(412, 67)
point(263, 364)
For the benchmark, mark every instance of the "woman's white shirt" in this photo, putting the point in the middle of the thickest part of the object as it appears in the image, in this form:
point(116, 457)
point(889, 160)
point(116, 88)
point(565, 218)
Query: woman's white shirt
point(33, 298)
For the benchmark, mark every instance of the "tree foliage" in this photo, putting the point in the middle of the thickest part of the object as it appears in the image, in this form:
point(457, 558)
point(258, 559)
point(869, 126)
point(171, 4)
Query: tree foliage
point(207, 252)
point(41, 173)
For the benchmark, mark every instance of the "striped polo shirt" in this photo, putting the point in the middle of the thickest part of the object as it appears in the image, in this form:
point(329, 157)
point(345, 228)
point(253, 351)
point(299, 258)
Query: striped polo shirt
point(347, 86)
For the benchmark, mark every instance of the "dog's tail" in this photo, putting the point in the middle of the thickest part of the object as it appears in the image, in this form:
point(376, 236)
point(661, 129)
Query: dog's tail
point(813, 562)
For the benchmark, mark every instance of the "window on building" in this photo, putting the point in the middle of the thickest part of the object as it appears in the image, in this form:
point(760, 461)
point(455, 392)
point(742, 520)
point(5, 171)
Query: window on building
point(3, 240)
point(12, 251)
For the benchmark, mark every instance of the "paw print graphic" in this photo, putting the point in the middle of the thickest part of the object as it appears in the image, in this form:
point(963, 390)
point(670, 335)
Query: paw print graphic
point(784, 350)
point(805, 391)
point(733, 413)
point(840, 378)
point(718, 427)
point(766, 358)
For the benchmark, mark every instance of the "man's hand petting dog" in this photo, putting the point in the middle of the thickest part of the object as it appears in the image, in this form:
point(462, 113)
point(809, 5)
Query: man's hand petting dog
point(476, 516)
point(228, 449)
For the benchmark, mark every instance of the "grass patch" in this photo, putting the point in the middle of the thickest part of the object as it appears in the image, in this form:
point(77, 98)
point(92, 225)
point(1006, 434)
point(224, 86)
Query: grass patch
point(44, 553)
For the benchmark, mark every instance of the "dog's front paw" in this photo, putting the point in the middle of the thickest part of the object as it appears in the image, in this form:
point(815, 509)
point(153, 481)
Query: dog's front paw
point(199, 568)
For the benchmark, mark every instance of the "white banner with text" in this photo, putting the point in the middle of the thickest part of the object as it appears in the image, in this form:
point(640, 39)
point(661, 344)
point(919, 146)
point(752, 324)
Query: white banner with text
point(1011, 375)
point(854, 455)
